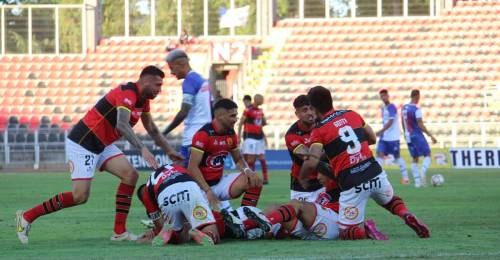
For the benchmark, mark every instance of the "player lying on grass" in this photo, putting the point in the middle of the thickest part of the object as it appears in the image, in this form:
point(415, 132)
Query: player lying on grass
point(172, 192)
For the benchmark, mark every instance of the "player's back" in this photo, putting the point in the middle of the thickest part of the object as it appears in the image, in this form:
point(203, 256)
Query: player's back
point(392, 133)
point(345, 142)
point(165, 176)
point(410, 113)
point(201, 110)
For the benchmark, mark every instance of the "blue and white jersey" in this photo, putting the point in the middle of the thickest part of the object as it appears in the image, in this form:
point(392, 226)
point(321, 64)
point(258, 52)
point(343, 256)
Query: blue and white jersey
point(410, 113)
point(196, 92)
point(392, 133)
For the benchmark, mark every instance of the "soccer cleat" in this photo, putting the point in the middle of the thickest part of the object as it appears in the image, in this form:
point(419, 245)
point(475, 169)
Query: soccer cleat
point(372, 231)
point(405, 181)
point(258, 217)
point(22, 227)
point(233, 223)
point(125, 236)
point(423, 182)
point(420, 228)
point(201, 238)
point(147, 223)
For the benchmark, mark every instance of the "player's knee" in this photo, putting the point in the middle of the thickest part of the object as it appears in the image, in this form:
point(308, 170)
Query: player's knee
point(130, 176)
point(80, 197)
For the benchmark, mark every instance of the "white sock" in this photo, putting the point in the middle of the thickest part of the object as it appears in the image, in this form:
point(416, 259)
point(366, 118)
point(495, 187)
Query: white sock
point(416, 174)
point(402, 167)
point(224, 204)
point(425, 165)
point(380, 160)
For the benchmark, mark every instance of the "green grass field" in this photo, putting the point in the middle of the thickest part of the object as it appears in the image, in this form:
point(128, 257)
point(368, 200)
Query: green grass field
point(463, 215)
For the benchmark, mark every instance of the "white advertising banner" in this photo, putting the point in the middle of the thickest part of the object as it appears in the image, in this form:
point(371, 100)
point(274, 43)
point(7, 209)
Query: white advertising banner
point(462, 158)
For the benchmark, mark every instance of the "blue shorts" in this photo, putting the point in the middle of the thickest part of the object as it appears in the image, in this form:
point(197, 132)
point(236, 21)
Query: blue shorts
point(186, 152)
point(388, 147)
point(418, 146)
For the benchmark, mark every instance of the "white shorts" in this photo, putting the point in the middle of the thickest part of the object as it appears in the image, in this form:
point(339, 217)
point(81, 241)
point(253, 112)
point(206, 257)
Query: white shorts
point(309, 196)
point(353, 201)
point(83, 163)
point(324, 227)
point(184, 201)
point(253, 146)
point(223, 188)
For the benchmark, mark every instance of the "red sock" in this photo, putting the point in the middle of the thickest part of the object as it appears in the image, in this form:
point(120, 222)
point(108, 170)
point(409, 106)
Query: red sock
point(284, 213)
point(250, 224)
point(396, 206)
point(353, 233)
point(251, 197)
point(251, 165)
point(219, 222)
point(59, 201)
point(263, 165)
point(123, 201)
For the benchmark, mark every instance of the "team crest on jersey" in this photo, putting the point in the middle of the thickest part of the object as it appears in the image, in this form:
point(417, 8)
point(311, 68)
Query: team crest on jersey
point(320, 229)
point(229, 141)
point(127, 101)
point(71, 166)
point(200, 213)
point(216, 160)
point(351, 213)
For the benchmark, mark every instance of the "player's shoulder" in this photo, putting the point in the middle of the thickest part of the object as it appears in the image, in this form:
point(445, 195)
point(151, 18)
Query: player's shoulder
point(207, 128)
point(128, 86)
point(293, 129)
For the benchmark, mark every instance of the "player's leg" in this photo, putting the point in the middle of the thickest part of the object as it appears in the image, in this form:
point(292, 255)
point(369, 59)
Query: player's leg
point(395, 151)
point(383, 194)
point(425, 151)
point(82, 164)
point(197, 212)
point(263, 165)
point(414, 164)
point(115, 163)
point(381, 152)
point(249, 152)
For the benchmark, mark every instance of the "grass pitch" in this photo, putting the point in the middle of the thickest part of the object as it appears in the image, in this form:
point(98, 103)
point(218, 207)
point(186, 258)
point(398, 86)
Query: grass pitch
point(463, 215)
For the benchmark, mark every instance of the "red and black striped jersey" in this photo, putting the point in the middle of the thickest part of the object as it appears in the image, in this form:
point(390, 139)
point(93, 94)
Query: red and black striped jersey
point(330, 197)
point(160, 179)
point(254, 119)
point(215, 148)
point(97, 129)
point(296, 137)
point(345, 143)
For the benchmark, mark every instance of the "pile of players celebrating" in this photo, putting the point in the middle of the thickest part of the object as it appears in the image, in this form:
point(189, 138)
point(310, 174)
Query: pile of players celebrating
point(333, 173)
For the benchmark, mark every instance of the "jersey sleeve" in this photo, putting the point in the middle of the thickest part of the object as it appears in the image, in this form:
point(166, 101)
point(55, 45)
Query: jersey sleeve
point(360, 118)
point(200, 141)
point(418, 113)
point(292, 141)
point(316, 137)
point(125, 98)
point(152, 208)
point(393, 112)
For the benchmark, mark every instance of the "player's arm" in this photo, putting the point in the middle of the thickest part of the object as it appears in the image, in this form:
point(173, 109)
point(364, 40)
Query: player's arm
point(123, 126)
point(187, 103)
point(385, 127)
point(311, 161)
point(240, 125)
point(195, 172)
point(254, 179)
point(158, 138)
point(421, 124)
point(372, 138)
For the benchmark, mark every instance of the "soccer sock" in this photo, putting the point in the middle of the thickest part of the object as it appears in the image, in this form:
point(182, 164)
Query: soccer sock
point(123, 201)
point(284, 213)
point(380, 160)
point(251, 197)
point(59, 201)
point(353, 233)
point(416, 173)
point(251, 165)
point(396, 206)
point(249, 224)
point(425, 165)
point(402, 167)
point(263, 165)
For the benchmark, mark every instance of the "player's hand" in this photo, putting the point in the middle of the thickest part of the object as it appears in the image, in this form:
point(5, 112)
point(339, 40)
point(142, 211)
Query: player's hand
point(175, 157)
point(212, 199)
point(302, 154)
point(146, 237)
point(149, 158)
point(378, 133)
point(433, 140)
point(254, 180)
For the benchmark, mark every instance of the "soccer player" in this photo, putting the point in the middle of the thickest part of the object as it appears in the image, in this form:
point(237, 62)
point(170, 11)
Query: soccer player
point(413, 127)
point(89, 146)
point(210, 147)
point(297, 138)
point(196, 108)
point(172, 194)
point(247, 101)
point(345, 139)
point(389, 135)
point(254, 140)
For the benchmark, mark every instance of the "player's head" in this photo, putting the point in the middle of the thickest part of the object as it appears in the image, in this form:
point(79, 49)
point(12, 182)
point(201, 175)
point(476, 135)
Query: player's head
point(303, 110)
point(415, 96)
point(150, 81)
point(258, 99)
point(178, 62)
point(320, 99)
point(226, 113)
point(384, 96)
point(247, 100)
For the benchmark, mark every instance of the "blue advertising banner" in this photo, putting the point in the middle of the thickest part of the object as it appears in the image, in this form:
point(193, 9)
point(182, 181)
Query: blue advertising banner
point(276, 160)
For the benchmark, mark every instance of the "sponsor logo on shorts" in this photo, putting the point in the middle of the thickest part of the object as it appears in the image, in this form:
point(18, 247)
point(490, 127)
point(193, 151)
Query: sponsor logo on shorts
point(71, 166)
point(200, 213)
point(351, 213)
point(320, 229)
point(374, 183)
